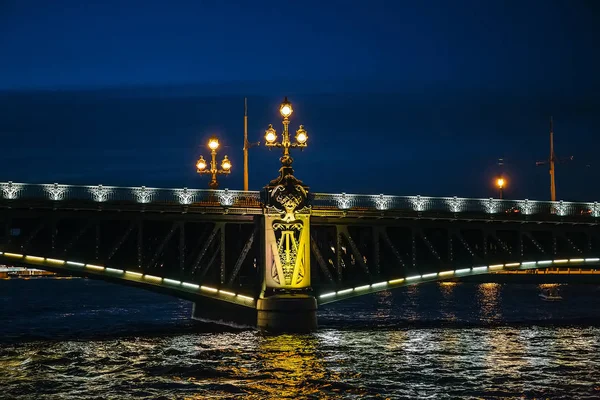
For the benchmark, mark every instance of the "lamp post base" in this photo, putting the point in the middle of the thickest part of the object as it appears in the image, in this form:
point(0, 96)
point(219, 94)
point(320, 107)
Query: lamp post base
point(287, 313)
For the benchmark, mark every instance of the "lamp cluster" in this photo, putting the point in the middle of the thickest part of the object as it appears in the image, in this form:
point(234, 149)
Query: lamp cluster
point(203, 168)
point(285, 109)
point(300, 139)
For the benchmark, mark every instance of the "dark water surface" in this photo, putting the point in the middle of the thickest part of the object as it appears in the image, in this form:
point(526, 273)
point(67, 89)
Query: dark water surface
point(83, 339)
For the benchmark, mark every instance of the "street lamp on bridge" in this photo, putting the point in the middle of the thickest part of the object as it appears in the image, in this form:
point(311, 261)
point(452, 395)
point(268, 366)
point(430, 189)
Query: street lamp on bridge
point(201, 165)
point(285, 109)
point(501, 182)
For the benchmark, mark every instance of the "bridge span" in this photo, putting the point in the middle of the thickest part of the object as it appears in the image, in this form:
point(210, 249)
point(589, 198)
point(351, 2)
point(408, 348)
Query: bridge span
point(212, 244)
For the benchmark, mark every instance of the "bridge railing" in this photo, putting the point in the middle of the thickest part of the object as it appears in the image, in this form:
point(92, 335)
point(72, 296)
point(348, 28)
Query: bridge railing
point(142, 194)
point(381, 202)
point(323, 201)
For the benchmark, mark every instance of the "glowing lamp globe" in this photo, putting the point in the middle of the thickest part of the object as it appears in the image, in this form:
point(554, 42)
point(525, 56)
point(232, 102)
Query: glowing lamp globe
point(201, 164)
point(270, 134)
point(226, 164)
point(286, 108)
point(301, 136)
point(213, 143)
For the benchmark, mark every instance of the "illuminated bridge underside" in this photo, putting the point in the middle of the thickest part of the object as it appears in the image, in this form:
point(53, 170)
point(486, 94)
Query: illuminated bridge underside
point(176, 288)
point(588, 265)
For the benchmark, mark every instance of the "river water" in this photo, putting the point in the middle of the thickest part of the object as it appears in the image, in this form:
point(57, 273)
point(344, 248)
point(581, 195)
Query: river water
point(84, 339)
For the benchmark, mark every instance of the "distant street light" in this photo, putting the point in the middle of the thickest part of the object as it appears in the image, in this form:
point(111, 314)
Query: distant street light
point(213, 145)
point(271, 134)
point(500, 182)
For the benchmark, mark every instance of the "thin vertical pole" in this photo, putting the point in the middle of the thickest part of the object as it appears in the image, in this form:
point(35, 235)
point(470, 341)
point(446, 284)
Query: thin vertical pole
point(552, 159)
point(245, 144)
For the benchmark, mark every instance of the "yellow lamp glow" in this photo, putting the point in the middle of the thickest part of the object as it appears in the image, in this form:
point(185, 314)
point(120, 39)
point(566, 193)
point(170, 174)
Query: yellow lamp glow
point(301, 136)
point(270, 134)
point(201, 164)
point(226, 164)
point(213, 143)
point(500, 182)
point(286, 108)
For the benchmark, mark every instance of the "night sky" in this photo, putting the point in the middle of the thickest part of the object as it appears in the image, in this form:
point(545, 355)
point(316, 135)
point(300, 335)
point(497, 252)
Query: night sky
point(399, 97)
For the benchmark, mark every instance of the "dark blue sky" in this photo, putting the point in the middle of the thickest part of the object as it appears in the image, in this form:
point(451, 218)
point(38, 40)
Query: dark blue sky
point(398, 97)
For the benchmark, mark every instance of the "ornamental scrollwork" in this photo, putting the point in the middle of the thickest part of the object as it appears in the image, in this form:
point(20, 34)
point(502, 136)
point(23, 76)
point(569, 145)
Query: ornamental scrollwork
point(143, 194)
point(55, 191)
point(184, 196)
point(226, 198)
point(343, 201)
point(418, 203)
point(10, 190)
point(100, 193)
point(526, 206)
point(381, 202)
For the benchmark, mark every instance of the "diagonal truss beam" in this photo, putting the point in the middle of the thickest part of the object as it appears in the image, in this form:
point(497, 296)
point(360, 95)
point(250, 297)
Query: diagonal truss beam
point(389, 243)
point(359, 258)
point(119, 242)
point(162, 245)
point(319, 257)
point(78, 235)
point(207, 243)
point(242, 257)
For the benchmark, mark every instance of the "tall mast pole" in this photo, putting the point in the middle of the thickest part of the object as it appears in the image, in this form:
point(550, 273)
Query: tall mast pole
point(552, 159)
point(245, 144)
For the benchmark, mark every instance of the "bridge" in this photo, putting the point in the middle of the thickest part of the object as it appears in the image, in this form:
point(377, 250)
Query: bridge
point(271, 258)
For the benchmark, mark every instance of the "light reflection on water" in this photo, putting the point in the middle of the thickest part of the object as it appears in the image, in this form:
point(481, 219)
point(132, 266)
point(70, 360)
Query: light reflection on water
point(503, 342)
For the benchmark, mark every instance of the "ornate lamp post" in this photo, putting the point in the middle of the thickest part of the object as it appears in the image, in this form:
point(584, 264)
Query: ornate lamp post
point(213, 145)
point(300, 139)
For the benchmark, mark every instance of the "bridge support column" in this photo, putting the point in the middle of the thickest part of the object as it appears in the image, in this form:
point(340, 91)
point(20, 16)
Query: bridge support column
point(287, 313)
point(286, 302)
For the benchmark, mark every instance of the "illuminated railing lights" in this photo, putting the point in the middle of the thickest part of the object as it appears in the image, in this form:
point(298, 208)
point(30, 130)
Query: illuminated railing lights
point(76, 264)
point(445, 273)
point(396, 281)
point(172, 281)
point(412, 278)
point(133, 273)
point(544, 262)
point(226, 293)
point(512, 264)
point(209, 289)
point(326, 295)
point(576, 260)
point(34, 258)
point(562, 261)
point(114, 270)
point(497, 266)
point(345, 291)
point(15, 255)
point(190, 285)
point(92, 266)
point(479, 269)
point(241, 296)
point(592, 259)
point(462, 271)
point(360, 288)
point(527, 263)
point(427, 276)
point(379, 284)
point(55, 261)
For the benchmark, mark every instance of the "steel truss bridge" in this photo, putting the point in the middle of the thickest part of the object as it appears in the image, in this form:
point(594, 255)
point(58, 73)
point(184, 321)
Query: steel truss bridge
point(205, 245)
